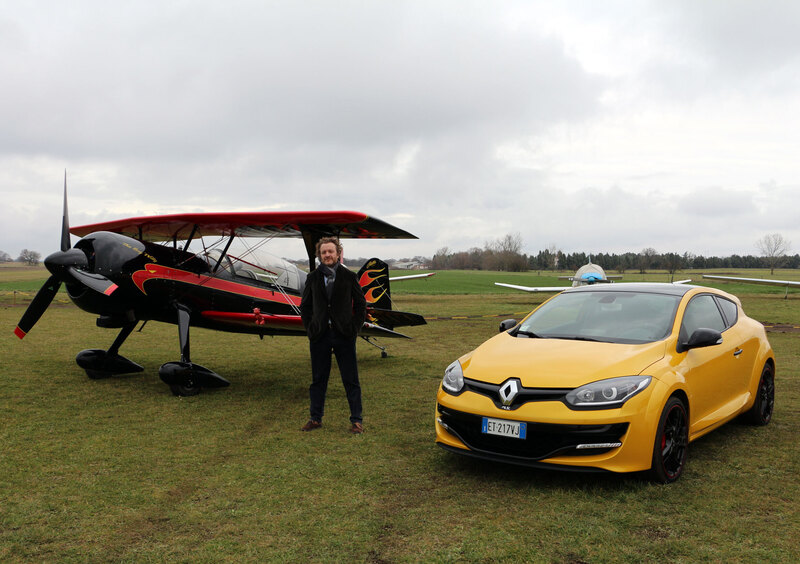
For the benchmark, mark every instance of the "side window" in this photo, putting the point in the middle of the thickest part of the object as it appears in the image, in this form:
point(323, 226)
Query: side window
point(703, 312)
point(729, 310)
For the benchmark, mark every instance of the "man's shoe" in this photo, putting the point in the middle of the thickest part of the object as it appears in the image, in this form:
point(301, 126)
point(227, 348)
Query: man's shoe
point(311, 425)
point(357, 428)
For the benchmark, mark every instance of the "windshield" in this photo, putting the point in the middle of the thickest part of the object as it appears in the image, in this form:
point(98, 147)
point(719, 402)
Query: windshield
point(614, 317)
point(258, 265)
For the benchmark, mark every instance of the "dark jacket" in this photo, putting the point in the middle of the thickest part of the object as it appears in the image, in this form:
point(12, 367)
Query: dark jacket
point(347, 309)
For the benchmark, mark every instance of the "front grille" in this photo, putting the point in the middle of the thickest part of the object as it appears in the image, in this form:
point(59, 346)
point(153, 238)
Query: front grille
point(543, 440)
point(524, 395)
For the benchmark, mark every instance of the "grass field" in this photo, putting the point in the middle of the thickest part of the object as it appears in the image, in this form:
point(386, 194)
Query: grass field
point(120, 470)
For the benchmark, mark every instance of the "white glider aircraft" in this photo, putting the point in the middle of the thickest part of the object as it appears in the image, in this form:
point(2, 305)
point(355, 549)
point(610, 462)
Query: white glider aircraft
point(588, 274)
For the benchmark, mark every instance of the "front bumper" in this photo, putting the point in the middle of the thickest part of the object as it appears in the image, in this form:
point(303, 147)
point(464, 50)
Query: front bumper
point(617, 440)
point(543, 441)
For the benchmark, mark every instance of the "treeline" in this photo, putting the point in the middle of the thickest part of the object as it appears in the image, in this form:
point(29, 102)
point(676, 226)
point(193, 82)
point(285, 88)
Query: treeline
point(31, 258)
point(652, 260)
point(494, 257)
point(502, 254)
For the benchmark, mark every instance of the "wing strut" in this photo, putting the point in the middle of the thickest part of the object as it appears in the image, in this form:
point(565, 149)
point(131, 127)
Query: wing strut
point(191, 236)
point(224, 252)
point(310, 239)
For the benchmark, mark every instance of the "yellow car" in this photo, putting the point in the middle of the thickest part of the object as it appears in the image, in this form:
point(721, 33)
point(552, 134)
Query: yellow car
point(618, 377)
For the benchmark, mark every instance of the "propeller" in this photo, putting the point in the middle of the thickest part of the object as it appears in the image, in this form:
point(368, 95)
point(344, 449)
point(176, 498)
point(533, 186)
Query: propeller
point(64, 266)
point(39, 304)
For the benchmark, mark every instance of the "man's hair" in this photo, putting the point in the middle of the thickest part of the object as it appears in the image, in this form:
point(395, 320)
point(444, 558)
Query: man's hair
point(333, 240)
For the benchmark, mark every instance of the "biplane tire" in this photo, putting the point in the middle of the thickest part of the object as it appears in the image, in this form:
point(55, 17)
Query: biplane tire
point(185, 390)
point(188, 378)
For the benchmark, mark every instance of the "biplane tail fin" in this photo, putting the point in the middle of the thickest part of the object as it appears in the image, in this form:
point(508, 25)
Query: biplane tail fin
point(374, 280)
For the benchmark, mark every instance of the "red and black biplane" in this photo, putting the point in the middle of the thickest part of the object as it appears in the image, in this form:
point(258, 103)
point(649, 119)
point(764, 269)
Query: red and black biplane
point(141, 269)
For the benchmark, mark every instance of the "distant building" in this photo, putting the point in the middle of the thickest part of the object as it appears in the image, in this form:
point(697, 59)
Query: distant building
point(412, 265)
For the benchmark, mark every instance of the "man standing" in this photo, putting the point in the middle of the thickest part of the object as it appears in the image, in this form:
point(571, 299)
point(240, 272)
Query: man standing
point(333, 310)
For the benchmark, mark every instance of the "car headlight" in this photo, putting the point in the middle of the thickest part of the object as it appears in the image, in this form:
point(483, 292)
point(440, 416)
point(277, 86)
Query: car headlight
point(453, 380)
point(606, 394)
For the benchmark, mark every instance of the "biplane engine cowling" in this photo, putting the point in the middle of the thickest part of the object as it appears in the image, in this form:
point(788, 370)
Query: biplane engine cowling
point(108, 252)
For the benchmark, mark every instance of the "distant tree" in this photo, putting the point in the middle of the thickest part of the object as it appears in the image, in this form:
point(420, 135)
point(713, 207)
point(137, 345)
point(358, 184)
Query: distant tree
point(31, 258)
point(672, 262)
point(505, 254)
point(5, 257)
point(646, 258)
point(552, 256)
point(773, 247)
point(439, 260)
point(510, 253)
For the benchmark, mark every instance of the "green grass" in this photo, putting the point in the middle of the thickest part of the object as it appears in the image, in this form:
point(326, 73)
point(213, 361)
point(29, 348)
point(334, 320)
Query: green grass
point(120, 470)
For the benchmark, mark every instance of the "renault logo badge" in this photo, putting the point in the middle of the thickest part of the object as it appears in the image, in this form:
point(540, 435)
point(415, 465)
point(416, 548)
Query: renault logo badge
point(508, 392)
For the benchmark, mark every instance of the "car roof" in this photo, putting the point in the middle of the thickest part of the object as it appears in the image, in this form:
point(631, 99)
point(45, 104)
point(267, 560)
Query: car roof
point(636, 287)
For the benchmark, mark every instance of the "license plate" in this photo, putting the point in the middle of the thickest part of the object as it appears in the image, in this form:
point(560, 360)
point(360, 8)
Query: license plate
point(504, 428)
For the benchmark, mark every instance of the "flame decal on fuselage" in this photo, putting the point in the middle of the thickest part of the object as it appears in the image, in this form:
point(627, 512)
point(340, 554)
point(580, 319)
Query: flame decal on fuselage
point(158, 272)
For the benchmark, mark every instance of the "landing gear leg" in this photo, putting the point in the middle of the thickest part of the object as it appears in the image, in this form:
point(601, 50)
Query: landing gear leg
point(384, 354)
point(186, 378)
point(100, 364)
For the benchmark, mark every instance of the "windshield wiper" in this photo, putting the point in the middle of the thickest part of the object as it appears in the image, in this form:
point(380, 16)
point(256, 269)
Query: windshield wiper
point(579, 338)
point(529, 334)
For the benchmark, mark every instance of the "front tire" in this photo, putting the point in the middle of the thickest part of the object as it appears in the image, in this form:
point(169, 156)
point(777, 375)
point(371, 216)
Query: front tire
point(671, 443)
point(188, 388)
point(761, 412)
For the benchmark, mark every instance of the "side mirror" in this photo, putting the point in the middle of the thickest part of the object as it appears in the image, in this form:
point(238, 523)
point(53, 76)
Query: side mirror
point(702, 337)
point(507, 324)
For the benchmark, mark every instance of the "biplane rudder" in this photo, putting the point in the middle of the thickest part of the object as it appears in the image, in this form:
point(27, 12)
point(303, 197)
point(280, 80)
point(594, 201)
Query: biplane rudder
point(374, 281)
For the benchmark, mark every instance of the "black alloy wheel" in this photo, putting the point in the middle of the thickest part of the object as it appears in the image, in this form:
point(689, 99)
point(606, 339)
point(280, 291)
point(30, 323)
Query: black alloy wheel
point(761, 412)
point(671, 443)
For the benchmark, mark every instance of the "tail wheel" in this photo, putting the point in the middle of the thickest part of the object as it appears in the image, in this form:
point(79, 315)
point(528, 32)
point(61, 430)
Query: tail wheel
point(671, 443)
point(761, 412)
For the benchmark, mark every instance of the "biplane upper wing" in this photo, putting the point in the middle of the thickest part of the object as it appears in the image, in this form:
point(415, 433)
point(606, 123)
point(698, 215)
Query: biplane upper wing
point(302, 224)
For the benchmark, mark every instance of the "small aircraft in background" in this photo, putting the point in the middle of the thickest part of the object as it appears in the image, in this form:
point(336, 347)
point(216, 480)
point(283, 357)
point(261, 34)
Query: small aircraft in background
point(141, 269)
point(586, 275)
point(783, 283)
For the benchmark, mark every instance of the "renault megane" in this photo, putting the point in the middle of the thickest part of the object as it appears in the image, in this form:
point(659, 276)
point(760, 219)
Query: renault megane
point(615, 377)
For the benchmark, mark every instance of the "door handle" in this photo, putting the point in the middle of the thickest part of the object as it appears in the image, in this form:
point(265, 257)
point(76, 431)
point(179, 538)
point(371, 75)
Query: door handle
point(737, 352)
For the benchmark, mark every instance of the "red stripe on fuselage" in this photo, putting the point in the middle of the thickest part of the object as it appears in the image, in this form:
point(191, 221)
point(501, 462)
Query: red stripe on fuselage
point(159, 272)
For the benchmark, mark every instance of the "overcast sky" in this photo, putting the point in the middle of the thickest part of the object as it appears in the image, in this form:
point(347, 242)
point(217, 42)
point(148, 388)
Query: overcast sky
point(593, 126)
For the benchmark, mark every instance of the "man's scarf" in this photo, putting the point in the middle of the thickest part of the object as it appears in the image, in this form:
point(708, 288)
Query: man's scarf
point(330, 277)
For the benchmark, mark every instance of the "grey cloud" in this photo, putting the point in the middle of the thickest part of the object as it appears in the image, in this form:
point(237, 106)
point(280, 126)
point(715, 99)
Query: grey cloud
point(198, 82)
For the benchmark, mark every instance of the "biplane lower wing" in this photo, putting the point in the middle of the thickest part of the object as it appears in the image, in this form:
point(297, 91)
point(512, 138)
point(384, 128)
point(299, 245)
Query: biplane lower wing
point(281, 324)
point(256, 320)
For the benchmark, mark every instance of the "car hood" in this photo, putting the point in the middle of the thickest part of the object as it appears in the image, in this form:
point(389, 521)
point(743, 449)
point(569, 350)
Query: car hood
point(557, 363)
